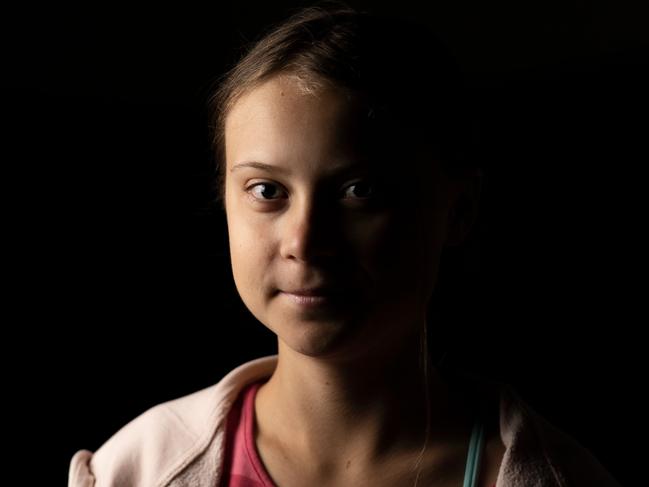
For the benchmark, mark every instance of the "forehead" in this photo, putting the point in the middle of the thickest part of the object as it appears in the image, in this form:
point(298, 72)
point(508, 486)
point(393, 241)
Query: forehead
point(281, 121)
point(280, 112)
point(289, 93)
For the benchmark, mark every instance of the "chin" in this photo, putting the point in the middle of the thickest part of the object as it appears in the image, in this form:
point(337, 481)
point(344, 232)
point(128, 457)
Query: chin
point(319, 337)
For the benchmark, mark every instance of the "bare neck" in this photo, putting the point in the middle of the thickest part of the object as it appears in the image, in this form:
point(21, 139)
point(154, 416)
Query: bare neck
point(341, 416)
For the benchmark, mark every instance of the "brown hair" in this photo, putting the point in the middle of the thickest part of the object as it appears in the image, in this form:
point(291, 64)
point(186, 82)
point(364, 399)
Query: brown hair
point(408, 80)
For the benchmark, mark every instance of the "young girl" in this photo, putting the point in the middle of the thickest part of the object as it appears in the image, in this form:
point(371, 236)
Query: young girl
point(344, 170)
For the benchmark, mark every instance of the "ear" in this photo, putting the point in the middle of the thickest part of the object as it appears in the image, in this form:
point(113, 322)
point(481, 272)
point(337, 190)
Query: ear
point(464, 205)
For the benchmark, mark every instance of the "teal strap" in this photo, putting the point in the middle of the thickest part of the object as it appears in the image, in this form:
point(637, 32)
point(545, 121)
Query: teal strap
point(475, 453)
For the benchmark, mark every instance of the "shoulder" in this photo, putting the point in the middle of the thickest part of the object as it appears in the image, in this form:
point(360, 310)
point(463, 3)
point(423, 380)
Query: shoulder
point(536, 452)
point(142, 451)
point(159, 443)
point(536, 448)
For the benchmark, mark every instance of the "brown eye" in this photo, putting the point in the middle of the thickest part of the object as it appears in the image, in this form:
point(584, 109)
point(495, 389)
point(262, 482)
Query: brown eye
point(264, 193)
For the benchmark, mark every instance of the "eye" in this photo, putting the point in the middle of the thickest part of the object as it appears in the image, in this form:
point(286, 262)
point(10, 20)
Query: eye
point(265, 192)
point(364, 190)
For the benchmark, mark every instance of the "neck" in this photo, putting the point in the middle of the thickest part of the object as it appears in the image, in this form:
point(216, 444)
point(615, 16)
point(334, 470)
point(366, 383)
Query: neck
point(365, 411)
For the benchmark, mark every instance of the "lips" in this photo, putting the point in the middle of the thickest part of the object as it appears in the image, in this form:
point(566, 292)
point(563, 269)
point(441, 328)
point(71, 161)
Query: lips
point(314, 301)
point(318, 291)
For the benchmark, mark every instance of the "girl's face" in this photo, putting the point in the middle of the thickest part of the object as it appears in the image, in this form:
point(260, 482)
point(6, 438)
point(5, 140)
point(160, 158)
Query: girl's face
point(323, 206)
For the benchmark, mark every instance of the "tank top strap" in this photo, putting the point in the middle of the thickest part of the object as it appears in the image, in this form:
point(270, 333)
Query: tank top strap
point(476, 446)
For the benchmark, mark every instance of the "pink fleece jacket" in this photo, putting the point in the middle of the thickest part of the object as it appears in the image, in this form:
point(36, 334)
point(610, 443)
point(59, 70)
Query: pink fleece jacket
point(181, 443)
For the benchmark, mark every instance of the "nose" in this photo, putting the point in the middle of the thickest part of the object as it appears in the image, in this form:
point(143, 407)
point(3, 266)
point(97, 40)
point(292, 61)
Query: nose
point(309, 232)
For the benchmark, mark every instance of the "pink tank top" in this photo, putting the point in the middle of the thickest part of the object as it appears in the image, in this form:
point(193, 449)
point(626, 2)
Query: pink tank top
point(242, 466)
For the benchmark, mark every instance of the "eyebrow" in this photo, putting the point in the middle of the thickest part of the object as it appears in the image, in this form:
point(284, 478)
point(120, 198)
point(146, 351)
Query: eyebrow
point(259, 165)
point(272, 168)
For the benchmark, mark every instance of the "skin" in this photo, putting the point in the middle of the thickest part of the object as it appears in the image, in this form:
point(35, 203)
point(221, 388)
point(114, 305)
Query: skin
point(346, 404)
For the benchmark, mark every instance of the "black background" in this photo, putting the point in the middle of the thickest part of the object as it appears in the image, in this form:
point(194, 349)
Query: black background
point(130, 299)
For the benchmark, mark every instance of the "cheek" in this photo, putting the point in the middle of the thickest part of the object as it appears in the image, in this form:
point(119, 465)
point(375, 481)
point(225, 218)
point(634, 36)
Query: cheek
point(385, 242)
point(250, 257)
point(400, 252)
